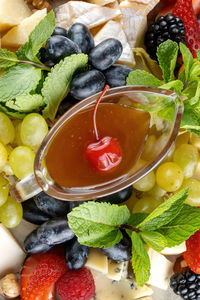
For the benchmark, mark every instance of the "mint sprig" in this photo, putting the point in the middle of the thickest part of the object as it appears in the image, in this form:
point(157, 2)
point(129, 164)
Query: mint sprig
point(101, 224)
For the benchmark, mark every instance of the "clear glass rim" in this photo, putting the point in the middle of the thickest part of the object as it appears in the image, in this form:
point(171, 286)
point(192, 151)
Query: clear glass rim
point(104, 189)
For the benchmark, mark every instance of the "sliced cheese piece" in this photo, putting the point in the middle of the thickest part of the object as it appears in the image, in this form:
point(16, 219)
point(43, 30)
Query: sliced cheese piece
point(107, 289)
point(18, 35)
point(134, 21)
point(174, 250)
point(12, 12)
point(116, 271)
point(11, 254)
point(113, 29)
point(97, 261)
point(101, 2)
point(161, 270)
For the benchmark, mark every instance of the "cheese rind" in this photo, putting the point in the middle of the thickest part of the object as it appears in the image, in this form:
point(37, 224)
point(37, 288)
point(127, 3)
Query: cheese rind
point(11, 253)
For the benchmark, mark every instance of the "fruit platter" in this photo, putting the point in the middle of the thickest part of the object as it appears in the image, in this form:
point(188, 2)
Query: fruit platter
point(99, 149)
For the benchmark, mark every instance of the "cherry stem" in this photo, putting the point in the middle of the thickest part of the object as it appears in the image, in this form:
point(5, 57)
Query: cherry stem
point(106, 88)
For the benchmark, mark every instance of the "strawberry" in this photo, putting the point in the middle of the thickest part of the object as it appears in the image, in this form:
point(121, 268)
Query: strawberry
point(191, 255)
point(196, 6)
point(76, 285)
point(183, 9)
point(40, 272)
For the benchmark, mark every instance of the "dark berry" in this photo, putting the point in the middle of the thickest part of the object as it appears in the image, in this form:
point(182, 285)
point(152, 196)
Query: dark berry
point(76, 254)
point(33, 245)
point(166, 27)
point(33, 214)
point(80, 34)
point(118, 197)
point(60, 31)
point(116, 75)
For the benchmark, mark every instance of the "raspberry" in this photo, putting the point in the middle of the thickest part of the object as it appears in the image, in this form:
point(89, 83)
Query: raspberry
point(191, 255)
point(183, 9)
point(76, 285)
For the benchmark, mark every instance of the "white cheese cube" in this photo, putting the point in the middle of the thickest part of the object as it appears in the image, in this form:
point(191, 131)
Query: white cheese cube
point(97, 261)
point(116, 271)
point(174, 250)
point(11, 254)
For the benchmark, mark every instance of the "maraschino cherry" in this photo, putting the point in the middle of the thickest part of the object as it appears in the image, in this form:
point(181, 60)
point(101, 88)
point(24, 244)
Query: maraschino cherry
point(104, 154)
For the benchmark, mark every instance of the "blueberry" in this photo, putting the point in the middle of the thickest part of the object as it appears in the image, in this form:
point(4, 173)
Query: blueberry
point(55, 232)
point(120, 252)
point(76, 255)
point(58, 47)
point(105, 54)
point(116, 75)
point(80, 34)
point(60, 31)
point(33, 214)
point(33, 245)
point(118, 197)
point(87, 84)
point(51, 206)
point(182, 289)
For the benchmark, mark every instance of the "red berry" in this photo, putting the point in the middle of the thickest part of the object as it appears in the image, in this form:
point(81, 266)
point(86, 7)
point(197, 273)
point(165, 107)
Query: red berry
point(183, 9)
point(104, 155)
point(191, 255)
point(76, 285)
point(40, 272)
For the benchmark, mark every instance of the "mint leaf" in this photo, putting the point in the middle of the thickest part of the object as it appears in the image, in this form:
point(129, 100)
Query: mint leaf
point(140, 260)
point(140, 77)
point(198, 55)
point(57, 82)
point(175, 85)
point(182, 227)
point(167, 55)
point(7, 58)
point(195, 72)
point(21, 79)
point(165, 212)
point(191, 117)
point(11, 113)
point(21, 52)
point(40, 35)
point(154, 239)
point(26, 103)
point(97, 224)
point(187, 59)
point(137, 218)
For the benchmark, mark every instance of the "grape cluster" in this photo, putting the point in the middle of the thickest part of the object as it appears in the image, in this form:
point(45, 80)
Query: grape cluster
point(102, 58)
point(19, 140)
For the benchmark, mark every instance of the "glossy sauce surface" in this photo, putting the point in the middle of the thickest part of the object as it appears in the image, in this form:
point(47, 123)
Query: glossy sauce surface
point(66, 161)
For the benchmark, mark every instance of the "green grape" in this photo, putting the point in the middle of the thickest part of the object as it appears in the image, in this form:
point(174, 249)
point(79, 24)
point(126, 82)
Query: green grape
point(195, 141)
point(194, 191)
point(148, 152)
point(11, 213)
point(146, 183)
point(17, 124)
point(7, 130)
point(21, 161)
point(33, 130)
point(146, 204)
point(182, 138)
point(3, 155)
point(131, 202)
point(169, 177)
point(3, 190)
point(186, 156)
point(157, 192)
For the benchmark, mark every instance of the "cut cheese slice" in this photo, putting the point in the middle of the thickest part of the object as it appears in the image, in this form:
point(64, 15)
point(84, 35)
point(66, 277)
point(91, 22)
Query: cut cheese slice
point(116, 271)
point(113, 29)
point(97, 261)
point(12, 12)
point(161, 270)
point(11, 254)
point(174, 250)
point(18, 35)
point(107, 289)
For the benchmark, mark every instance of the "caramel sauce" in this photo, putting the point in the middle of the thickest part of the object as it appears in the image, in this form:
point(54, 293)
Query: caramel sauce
point(65, 159)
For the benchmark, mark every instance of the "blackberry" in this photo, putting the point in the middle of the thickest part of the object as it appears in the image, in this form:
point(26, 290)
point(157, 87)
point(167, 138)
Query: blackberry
point(186, 284)
point(166, 27)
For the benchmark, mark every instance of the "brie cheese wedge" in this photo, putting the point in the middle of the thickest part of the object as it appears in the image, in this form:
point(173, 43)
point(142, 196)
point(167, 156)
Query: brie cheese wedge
point(113, 29)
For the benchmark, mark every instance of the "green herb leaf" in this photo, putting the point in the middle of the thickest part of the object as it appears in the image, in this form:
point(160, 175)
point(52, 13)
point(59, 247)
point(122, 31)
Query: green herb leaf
point(175, 85)
point(191, 117)
point(97, 224)
point(7, 58)
point(165, 212)
point(140, 260)
point(167, 55)
point(140, 77)
point(11, 113)
point(26, 103)
point(187, 59)
point(195, 72)
point(198, 55)
point(40, 35)
point(137, 218)
point(149, 64)
point(21, 79)
point(21, 52)
point(154, 239)
point(182, 227)
point(56, 84)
